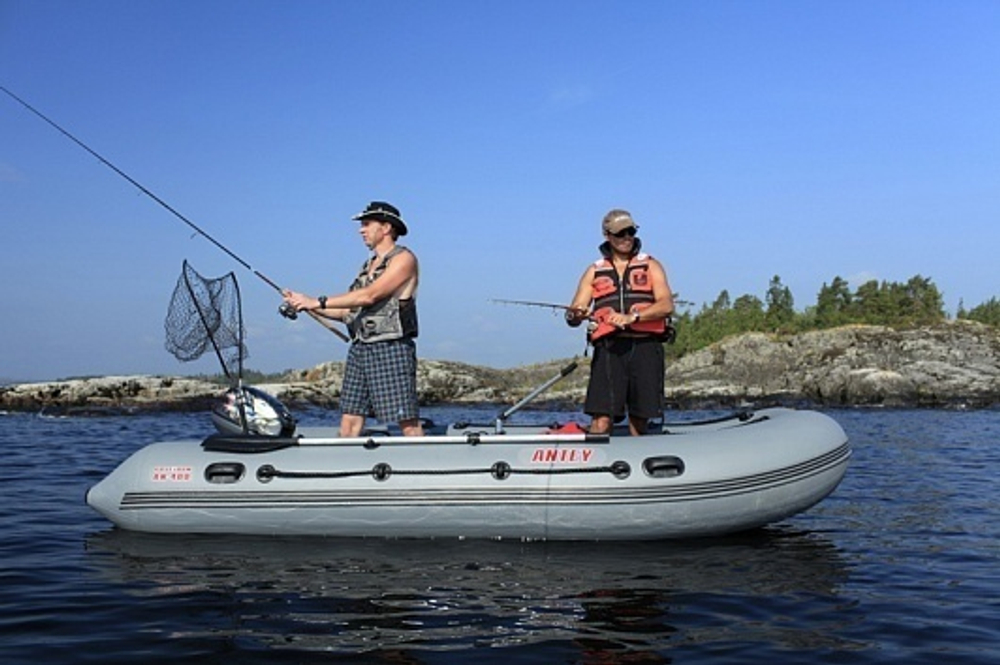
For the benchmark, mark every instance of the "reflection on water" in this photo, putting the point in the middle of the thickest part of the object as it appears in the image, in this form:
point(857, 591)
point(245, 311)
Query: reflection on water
point(602, 602)
point(899, 565)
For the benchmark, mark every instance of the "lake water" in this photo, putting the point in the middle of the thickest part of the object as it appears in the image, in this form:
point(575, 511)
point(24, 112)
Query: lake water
point(900, 565)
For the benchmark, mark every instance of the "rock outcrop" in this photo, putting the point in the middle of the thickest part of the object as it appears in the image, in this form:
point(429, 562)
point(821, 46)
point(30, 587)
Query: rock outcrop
point(444, 382)
point(111, 394)
point(955, 364)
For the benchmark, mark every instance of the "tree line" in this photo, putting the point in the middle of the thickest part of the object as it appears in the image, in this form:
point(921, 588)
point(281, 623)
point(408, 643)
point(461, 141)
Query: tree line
point(917, 302)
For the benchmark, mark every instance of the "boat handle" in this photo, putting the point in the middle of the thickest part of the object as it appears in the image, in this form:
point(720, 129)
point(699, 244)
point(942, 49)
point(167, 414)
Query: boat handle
point(224, 472)
point(666, 466)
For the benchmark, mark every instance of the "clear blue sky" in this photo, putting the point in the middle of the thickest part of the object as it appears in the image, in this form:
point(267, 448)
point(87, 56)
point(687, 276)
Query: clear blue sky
point(805, 139)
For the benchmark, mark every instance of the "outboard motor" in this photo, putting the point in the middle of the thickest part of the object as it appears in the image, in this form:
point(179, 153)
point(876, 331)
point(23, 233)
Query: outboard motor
point(264, 414)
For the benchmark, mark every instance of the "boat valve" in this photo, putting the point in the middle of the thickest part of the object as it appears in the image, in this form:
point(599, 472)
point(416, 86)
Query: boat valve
point(500, 470)
point(620, 469)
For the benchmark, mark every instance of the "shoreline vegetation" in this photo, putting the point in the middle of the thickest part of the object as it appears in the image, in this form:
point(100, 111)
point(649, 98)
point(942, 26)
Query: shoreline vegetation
point(884, 344)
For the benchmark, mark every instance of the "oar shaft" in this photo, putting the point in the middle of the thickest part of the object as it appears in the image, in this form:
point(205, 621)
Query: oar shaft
point(468, 439)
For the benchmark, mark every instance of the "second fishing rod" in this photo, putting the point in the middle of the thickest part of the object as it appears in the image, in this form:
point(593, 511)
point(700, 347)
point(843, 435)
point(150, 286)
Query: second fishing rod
point(285, 310)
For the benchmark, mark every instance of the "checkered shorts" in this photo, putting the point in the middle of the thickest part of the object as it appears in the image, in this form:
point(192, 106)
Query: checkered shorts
point(380, 379)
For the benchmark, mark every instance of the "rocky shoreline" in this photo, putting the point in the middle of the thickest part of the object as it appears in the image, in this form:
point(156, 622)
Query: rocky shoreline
point(951, 365)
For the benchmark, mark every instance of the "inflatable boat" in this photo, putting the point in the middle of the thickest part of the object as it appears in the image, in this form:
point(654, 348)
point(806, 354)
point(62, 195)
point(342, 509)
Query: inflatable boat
point(495, 480)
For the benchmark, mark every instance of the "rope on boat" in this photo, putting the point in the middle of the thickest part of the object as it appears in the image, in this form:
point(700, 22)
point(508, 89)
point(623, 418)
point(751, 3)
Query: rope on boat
point(499, 471)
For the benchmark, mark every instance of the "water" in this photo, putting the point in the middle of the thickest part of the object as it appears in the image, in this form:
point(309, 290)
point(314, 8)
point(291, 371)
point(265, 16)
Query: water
point(901, 564)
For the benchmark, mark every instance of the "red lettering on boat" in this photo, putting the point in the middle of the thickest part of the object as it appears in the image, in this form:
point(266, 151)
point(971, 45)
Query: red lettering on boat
point(562, 455)
point(172, 474)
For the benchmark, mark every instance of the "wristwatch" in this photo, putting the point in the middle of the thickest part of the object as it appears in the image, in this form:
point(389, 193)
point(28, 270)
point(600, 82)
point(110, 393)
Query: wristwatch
point(322, 302)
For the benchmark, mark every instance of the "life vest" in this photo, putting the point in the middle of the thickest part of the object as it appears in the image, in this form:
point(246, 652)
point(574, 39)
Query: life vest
point(631, 292)
point(392, 318)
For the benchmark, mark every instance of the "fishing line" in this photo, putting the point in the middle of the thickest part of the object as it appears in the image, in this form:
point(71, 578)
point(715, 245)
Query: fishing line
point(197, 229)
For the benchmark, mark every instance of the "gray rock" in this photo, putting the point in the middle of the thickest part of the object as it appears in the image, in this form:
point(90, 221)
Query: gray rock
point(954, 364)
point(111, 394)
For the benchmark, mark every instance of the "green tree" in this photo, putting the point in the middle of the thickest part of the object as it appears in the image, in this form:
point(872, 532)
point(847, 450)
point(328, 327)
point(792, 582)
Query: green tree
point(722, 302)
point(920, 302)
point(780, 305)
point(711, 323)
point(833, 304)
point(748, 314)
point(988, 312)
point(871, 304)
point(917, 302)
point(684, 343)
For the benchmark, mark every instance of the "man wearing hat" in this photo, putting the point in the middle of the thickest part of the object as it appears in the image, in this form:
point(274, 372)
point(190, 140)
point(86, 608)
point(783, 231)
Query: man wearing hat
point(380, 310)
point(627, 299)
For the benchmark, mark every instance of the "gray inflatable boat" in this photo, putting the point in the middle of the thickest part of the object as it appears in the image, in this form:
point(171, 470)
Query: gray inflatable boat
point(483, 481)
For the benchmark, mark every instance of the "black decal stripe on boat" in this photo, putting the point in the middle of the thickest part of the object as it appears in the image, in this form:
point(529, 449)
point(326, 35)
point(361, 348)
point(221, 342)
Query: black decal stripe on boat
point(492, 494)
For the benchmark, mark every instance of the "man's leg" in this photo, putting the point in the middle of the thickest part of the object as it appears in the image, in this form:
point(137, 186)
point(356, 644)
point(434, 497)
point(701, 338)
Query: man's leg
point(637, 426)
point(351, 424)
point(411, 427)
point(600, 425)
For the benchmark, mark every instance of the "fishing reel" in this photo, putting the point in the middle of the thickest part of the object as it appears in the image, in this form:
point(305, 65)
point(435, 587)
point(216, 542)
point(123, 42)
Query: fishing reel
point(288, 311)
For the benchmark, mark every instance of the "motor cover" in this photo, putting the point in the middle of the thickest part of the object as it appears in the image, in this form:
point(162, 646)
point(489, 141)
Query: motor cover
point(265, 415)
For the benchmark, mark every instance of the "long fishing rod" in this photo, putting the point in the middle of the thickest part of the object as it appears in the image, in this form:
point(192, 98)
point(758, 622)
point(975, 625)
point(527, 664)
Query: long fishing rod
point(198, 230)
point(551, 305)
point(531, 303)
point(597, 319)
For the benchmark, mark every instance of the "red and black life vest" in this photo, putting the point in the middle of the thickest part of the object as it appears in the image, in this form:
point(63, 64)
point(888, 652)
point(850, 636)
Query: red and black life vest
point(631, 292)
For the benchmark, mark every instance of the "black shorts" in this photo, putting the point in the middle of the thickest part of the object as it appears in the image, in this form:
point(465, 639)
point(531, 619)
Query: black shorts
point(626, 373)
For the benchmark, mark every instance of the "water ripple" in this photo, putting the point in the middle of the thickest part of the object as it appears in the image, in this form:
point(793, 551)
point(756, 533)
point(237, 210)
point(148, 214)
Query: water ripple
point(899, 565)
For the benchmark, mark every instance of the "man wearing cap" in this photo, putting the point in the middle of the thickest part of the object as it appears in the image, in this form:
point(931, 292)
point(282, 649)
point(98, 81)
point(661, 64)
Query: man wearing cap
point(380, 310)
point(627, 299)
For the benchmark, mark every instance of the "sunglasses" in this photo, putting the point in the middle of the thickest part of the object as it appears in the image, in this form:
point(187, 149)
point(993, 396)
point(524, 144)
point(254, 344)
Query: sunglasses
point(627, 232)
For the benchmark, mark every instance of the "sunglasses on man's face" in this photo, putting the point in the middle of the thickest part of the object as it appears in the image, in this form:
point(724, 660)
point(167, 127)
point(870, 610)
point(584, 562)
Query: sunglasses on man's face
point(626, 232)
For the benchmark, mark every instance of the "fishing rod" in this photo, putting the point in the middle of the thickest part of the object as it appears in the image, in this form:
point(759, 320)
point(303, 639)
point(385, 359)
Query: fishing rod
point(532, 303)
point(285, 311)
point(597, 319)
point(551, 305)
point(590, 316)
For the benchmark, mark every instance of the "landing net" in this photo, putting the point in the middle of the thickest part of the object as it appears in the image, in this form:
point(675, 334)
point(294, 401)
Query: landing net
point(207, 313)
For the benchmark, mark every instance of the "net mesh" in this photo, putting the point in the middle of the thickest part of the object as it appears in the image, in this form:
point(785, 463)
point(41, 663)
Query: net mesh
point(206, 314)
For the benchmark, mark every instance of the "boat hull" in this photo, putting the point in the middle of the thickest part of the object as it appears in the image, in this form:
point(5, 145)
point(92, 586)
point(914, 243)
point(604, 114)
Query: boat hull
point(691, 481)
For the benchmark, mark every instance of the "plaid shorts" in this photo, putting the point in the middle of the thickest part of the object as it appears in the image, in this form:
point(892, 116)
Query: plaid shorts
point(380, 379)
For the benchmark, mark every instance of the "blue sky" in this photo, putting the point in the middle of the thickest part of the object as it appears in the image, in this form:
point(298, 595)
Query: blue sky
point(802, 138)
